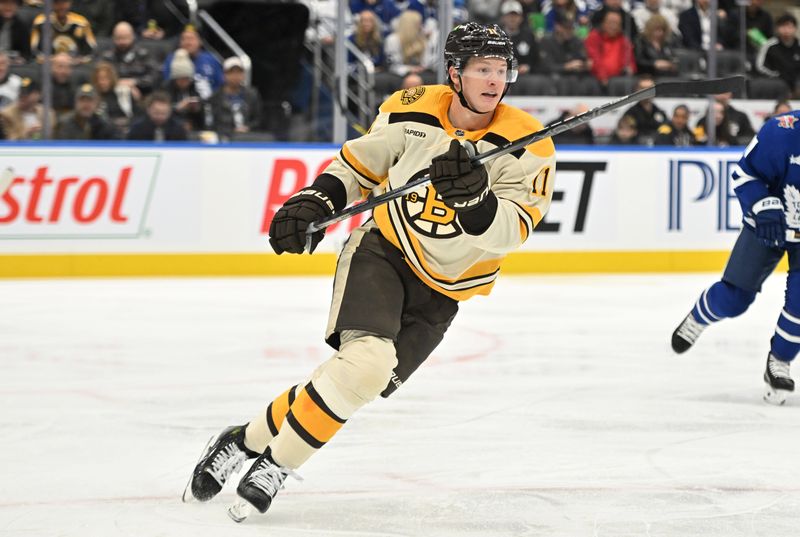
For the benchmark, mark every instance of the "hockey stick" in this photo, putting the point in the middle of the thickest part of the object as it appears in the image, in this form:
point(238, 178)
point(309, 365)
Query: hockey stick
point(665, 89)
point(5, 179)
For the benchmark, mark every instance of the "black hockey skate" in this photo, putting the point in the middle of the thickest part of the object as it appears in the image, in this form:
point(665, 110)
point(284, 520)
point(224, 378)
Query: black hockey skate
point(259, 486)
point(779, 382)
point(223, 456)
point(686, 334)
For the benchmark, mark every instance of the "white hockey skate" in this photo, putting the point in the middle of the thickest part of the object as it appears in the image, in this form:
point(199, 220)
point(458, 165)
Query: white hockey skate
point(259, 486)
point(779, 382)
point(686, 334)
point(223, 456)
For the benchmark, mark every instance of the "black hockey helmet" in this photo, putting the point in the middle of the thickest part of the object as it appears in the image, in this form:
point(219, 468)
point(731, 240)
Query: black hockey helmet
point(470, 40)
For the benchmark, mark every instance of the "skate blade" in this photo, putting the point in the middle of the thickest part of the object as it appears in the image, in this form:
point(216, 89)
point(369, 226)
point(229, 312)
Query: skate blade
point(187, 496)
point(240, 510)
point(775, 397)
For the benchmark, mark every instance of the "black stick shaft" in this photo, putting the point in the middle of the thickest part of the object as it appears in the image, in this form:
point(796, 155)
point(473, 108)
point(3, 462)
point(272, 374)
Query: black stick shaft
point(698, 87)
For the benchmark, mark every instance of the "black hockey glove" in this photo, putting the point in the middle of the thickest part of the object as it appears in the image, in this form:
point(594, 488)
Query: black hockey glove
point(770, 222)
point(461, 186)
point(287, 232)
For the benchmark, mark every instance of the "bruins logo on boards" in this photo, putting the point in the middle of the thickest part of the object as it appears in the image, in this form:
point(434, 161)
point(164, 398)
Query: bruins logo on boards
point(412, 95)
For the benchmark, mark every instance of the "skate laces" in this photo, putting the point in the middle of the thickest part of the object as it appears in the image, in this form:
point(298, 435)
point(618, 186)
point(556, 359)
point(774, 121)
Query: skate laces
point(778, 368)
point(228, 461)
point(269, 479)
point(690, 329)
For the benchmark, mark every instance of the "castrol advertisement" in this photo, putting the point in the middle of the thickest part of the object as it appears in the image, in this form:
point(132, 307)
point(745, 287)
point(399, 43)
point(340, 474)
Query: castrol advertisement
point(218, 200)
point(64, 197)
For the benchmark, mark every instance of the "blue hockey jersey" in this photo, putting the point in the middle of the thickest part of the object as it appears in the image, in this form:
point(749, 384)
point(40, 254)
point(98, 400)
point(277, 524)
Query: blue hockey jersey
point(770, 166)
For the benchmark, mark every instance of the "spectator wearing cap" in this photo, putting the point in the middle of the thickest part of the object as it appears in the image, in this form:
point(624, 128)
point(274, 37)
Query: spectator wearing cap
point(187, 102)
point(72, 33)
point(236, 108)
point(9, 82)
point(526, 50)
point(158, 125)
point(780, 56)
point(84, 123)
point(564, 58)
point(134, 64)
point(24, 119)
point(207, 70)
point(117, 101)
point(15, 36)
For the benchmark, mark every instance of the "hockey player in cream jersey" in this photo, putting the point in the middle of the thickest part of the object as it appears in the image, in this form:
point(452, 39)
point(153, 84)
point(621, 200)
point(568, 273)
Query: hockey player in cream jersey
point(400, 277)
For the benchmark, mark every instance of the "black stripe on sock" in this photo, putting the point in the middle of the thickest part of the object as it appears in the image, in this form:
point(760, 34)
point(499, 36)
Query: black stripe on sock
point(317, 398)
point(307, 437)
point(270, 423)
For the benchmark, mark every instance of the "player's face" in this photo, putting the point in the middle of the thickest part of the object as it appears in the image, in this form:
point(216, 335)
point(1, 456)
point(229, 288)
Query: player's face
point(483, 81)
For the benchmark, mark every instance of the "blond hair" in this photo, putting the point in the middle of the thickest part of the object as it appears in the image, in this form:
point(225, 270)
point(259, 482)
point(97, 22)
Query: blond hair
point(412, 40)
point(653, 23)
point(371, 42)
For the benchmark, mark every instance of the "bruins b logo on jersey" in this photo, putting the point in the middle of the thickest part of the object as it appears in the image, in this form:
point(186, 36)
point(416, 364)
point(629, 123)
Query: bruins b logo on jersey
point(412, 95)
point(427, 214)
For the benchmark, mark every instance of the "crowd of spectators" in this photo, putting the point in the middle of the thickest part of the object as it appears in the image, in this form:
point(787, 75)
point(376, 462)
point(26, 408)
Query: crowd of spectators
point(592, 47)
point(121, 69)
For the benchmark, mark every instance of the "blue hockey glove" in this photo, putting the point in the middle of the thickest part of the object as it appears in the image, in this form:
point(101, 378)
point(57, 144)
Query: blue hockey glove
point(770, 222)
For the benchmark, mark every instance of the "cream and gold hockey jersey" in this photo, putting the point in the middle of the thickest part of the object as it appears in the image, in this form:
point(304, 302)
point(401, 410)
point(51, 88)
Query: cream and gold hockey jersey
point(412, 127)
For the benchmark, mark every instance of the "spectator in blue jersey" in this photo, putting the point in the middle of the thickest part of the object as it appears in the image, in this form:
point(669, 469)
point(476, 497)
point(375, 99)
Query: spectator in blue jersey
point(767, 184)
point(385, 10)
point(564, 10)
point(207, 70)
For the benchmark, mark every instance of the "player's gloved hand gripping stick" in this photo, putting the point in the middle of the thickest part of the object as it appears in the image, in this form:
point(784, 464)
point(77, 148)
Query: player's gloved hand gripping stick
point(665, 89)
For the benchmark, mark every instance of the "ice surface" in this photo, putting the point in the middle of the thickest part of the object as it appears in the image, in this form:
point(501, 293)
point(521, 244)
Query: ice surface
point(553, 408)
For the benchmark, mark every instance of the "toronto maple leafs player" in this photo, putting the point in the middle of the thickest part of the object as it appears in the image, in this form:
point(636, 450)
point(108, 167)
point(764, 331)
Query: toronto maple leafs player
point(766, 181)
